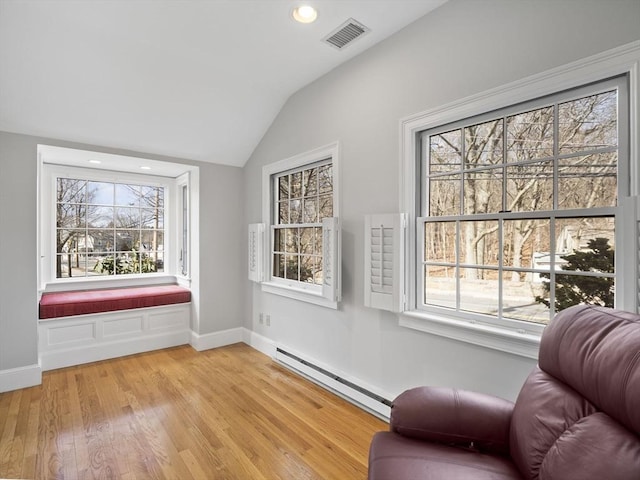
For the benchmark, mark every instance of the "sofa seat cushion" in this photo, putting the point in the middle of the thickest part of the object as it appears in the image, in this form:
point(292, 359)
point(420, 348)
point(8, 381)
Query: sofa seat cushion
point(65, 304)
point(394, 457)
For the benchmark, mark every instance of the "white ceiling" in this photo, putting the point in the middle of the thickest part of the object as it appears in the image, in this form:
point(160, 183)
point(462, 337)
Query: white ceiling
point(197, 79)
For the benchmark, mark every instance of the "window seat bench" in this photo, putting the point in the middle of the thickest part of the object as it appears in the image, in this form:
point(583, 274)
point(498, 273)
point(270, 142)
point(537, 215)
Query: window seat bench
point(78, 327)
point(65, 304)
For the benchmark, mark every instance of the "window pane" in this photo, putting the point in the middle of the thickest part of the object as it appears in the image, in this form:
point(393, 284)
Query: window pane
point(307, 264)
point(479, 243)
point(68, 241)
point(70, 190)
point(71, 215)
point(526, 243)
point(440, 242)
point(127, 195)
point(127, 240)
point(578, 289)
point(310, 178)
point(279, 240)
point(588, 123)
point(100, 217)
point(483, 191)
point(530, 135)
point(152, 197)
point(291, 240)
point(100, 193)
point(283, 187)
point(519, 291)
point(445, 152)
point(278, 265)
point(325, 179)
point(295, 211)
point(530, 187)
point(101, 240)
point(588, 181)
point(307, 240)
point(440, 286)
point(283, 212)
point(444, 195)
point(291, 271)
point(317, 270)
point(479, 290)
point(483, 144)
point(127, 217)
point(296, 184)
point(310, 213)
point(326, 206)
point(577, 234)
point(152, 218)
point(151, 240)
point(318, 240)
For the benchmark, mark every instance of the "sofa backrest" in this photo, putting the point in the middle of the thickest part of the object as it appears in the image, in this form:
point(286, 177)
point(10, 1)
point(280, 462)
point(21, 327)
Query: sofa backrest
point(578, 414)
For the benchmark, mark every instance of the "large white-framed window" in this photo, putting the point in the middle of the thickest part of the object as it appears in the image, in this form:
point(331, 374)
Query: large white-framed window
point(521, 202)
point(301, 254)
point(100, 225)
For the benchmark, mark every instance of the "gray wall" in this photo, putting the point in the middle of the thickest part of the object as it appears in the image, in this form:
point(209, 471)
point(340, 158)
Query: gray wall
point(221, 225)
point(464, 47)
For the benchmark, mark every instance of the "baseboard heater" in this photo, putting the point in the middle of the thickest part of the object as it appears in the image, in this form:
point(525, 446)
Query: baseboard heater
point(362, 397)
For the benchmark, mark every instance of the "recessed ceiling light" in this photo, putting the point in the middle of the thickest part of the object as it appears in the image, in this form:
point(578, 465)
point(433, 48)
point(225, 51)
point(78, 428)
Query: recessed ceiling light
point(95, 161)
point(144, 167)
point(305, 14)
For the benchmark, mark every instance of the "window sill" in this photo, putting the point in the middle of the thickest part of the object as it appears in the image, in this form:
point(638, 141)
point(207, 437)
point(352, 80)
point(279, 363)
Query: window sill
point(496, 338)
point(298, 294)
point(62, 285)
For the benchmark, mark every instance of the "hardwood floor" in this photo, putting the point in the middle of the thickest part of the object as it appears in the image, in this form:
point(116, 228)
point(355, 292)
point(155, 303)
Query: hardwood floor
point(228, 413)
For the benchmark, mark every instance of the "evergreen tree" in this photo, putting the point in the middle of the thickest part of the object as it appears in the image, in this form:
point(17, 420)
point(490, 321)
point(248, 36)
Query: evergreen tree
point(576, 289)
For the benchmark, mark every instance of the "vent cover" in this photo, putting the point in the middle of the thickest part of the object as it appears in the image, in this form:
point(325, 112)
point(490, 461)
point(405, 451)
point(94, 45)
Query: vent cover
point(345, 34)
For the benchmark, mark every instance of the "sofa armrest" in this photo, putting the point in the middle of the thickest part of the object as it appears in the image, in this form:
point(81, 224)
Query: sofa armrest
point(451, 416)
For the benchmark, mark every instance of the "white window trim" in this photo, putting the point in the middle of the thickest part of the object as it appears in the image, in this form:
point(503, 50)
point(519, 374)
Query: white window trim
point(624, 60)
point(47, 174)
point(283, 288)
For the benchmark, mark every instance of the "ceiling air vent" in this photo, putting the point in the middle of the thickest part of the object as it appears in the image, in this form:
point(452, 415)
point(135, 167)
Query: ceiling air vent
point(345, 34)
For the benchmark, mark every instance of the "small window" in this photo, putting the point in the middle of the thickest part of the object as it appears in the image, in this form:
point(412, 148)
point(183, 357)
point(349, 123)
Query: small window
point(302, 235)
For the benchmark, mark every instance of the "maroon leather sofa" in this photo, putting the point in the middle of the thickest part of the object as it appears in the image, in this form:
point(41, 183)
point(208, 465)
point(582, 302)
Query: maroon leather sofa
point(577, 416)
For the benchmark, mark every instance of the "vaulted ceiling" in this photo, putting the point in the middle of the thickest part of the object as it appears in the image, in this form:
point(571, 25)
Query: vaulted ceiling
point(197, 79)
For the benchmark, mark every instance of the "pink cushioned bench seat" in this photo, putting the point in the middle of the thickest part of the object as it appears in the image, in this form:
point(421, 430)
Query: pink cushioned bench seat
point(66, 304)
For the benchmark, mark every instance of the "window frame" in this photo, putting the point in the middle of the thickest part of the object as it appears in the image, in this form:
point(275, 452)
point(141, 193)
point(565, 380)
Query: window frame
point(56, 162)
point(309, 293)
point(520, 339)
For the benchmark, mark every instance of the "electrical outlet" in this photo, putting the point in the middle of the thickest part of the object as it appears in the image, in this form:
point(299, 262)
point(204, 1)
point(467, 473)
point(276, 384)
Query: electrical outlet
point(268, 320)
point(261, 318)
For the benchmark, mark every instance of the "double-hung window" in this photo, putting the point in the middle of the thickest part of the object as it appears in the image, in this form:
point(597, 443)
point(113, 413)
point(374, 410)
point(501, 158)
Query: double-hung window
point(300, 212)
point(520, 205)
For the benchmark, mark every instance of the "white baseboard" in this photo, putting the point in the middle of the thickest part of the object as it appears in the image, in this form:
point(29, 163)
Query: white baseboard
point(21, 377)
point(259, 342)
point(216, 339)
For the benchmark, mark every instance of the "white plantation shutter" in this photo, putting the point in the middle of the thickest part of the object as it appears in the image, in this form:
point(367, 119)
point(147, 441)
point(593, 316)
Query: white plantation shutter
point(384, 262)
point(628, 273)
point(331, 259)
point(256, 248)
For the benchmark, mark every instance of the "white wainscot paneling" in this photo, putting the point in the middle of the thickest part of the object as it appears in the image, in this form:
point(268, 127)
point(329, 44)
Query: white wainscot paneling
point(68, 341)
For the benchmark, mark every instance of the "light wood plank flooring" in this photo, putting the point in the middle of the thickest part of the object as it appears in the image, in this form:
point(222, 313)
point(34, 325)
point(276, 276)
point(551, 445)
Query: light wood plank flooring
point(228, 413)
